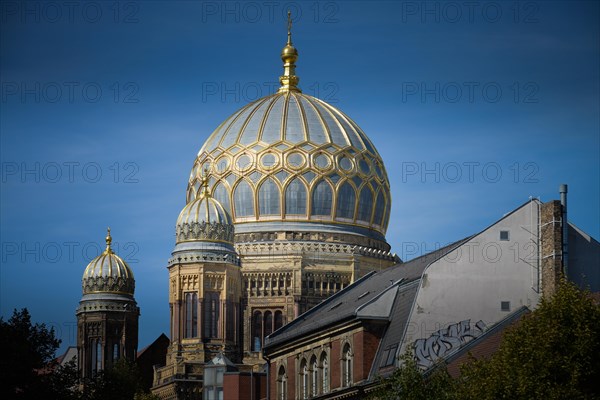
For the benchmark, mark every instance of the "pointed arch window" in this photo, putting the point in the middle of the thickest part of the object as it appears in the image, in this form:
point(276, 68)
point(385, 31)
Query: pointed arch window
point(322, 197)
point(303, 379)
point(257, 331)
point(268, 198)
point(191, 315)
point(345, 201)
point(365, 204)
point(314, 377)
point(243, 200)
point(221, 194)
point(281, 384)
point(324, 373)
point(347, 366)
point(278, 319)
point(379, 208)
point(211, 314)
point(295, 198)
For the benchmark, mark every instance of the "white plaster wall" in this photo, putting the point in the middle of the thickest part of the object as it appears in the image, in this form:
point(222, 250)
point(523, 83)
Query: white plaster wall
point(471, 282)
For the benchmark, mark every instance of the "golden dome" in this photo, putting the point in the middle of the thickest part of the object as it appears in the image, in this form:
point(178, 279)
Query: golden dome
point(108, 273)
point(204, 219)
point(292, 162)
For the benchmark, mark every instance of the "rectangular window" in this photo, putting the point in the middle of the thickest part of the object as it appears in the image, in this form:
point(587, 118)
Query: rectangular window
point(389, 355)
point(191, 315)
point(504, 235)
point(505, 305)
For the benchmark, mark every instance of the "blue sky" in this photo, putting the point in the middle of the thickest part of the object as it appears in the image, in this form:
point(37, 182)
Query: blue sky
point(474, 107)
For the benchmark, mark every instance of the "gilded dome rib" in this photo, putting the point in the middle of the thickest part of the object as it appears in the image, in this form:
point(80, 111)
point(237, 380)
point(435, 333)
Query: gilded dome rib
point(244, 132)
point(321, 119)
point(232, 125)
point(273, 99)
point(307, 105)
point(302, 114)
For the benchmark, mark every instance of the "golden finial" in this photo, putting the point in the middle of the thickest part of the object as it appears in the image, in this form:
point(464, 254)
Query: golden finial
point(205, 190)
point(289, 55)
point(108, 241)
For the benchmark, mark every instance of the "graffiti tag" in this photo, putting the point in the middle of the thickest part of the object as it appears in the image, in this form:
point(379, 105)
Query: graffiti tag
point(446, 340)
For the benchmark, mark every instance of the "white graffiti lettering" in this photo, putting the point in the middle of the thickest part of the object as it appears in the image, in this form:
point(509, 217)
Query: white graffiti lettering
point(445, 341)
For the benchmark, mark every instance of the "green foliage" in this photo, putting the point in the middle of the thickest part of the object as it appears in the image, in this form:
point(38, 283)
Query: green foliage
point(25, 349)
point(121, 382)
point(553, 353)
point(408, 382)
point(28, 372)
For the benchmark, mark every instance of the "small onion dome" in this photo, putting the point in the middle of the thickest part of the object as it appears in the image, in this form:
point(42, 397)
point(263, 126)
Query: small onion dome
point(108, 273)
point(204, 219)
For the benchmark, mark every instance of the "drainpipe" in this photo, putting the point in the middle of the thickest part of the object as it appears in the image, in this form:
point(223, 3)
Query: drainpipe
point(565, 229)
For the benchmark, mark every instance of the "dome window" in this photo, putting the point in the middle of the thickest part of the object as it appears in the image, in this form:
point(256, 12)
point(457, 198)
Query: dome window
point(243, 200)
point(322, 197)
point(295, 198)
point(365, 205)
point(322, 161)
point(295, 160)
point(268, 198)
point(345, 202)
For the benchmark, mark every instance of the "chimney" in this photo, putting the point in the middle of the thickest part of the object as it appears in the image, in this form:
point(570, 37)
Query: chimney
point(565, 230)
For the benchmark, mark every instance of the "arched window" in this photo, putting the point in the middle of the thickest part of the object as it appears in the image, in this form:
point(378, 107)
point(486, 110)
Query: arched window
point(257, 331)
point(243, 200)
point(191, 315)
point(322, 197)
point(386, 215)
point(314, 376)
point(115, 355)
point(281, 384)
point(324, 373)
point(268, 198)
point(345, 201)
point(365, 204)
point(221, 194)
point(295, 198)
point(347, 366)
point(96, 356)
point(211, 314)
point(268, 323)
point(379, 208)
point(303, 379)
point(278, 319)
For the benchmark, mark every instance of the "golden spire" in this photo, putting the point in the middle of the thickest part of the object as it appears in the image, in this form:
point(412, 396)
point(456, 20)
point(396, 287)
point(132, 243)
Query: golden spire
point(205, 190)
point(289, 55)
point(108, 242)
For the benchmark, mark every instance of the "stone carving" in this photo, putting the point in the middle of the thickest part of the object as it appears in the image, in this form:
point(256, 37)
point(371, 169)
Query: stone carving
point(108, 284)
point(204, 231)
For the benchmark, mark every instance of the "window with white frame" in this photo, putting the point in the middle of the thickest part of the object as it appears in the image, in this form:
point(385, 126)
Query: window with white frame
point(347, 366)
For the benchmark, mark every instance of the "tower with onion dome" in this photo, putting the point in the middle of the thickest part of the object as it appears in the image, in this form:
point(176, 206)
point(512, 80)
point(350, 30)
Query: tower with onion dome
point(204, 297)
point(309, 202)
point(107, 316)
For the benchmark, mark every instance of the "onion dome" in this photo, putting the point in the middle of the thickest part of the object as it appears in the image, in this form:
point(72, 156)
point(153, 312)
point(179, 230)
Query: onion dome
point(108, 273)
point(204, 219)
point(292, 162)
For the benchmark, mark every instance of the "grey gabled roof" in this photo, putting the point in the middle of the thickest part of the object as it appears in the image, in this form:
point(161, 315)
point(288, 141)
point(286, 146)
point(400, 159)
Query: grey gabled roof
point(370, 297)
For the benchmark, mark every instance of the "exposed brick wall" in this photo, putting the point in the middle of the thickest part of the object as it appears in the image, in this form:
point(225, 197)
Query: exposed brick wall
point(244, 386)
point(273, 380)
point(291, 376)
point(551, 246)
point(335, 363)
point(370, 344)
